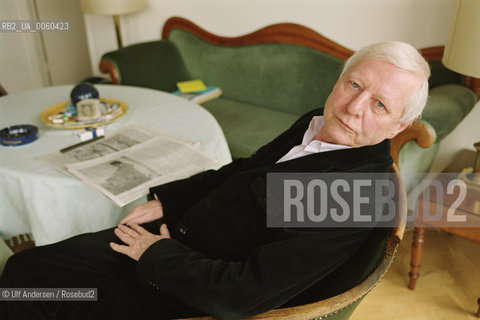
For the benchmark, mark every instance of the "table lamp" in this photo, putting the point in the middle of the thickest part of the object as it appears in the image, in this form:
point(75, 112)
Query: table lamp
point(462, 51)
point(114, 8)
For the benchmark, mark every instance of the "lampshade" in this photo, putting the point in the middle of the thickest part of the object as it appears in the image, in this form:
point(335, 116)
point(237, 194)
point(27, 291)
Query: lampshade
point(112, 7)
point(462, 51)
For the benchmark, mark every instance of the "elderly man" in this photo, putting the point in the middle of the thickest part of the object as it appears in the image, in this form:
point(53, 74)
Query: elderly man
point(203, 247)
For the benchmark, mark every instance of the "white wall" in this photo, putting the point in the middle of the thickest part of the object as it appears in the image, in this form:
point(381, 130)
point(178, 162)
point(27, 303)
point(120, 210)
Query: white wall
point(22, 62)
point(67, 52)
point(35, 60)
point(463, 137)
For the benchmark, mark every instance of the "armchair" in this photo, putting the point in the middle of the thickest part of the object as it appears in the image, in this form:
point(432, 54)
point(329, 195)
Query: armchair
point(334, 297)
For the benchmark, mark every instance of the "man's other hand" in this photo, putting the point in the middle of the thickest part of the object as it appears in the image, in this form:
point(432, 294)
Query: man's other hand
point(137, 239)
point(149, 211)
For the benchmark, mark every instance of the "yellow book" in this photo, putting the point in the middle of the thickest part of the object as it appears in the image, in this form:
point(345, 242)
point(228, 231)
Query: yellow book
point(191, 86)
point(200, 96)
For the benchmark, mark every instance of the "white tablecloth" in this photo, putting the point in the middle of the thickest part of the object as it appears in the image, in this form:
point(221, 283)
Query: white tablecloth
point(37, 199)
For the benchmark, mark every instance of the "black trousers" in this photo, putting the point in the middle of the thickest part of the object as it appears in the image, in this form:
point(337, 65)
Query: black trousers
point(87, 261)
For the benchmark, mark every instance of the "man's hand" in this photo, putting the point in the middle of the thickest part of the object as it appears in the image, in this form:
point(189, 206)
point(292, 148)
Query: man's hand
point(138, 239)
point(149, 211)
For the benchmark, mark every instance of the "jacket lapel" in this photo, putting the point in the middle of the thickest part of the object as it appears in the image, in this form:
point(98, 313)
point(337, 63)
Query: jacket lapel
point(331, 161)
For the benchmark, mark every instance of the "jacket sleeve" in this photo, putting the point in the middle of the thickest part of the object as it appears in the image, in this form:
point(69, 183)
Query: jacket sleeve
point(263, 280)
point(179, 195)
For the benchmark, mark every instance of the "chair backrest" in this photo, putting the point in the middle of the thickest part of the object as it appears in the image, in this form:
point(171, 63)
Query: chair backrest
point(342, 305)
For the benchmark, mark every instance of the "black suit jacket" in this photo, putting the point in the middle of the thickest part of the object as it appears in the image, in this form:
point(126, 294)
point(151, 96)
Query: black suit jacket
point(222, 259)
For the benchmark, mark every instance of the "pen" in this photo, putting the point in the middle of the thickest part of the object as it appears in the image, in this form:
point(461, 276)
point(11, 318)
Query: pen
point(80, 144)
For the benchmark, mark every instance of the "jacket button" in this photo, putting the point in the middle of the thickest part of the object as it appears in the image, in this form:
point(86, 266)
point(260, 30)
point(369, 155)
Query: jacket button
point(153, 285)
point(261, 199)
point(183, 230)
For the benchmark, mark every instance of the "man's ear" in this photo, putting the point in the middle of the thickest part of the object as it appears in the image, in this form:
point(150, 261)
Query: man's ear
point(402, 126)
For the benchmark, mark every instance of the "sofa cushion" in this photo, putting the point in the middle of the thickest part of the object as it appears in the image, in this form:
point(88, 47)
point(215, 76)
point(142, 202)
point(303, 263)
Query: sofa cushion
point(446, 107)
point(280, 76)
point(167, 70)
point(415, 162)
point(248, 127)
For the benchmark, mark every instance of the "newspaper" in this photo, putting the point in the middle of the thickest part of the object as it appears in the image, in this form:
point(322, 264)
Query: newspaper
point(125, 165)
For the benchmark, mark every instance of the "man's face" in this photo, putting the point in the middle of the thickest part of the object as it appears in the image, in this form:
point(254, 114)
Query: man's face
point(367, 103)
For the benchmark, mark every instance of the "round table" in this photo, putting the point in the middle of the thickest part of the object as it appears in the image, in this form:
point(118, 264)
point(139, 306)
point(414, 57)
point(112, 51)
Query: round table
point(52, 205)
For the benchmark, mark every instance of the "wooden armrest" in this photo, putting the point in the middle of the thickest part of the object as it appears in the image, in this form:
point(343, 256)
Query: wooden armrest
point(277, 33)
point(401, 222)
point(421, 132)
point(107, 67)
point(474, 84)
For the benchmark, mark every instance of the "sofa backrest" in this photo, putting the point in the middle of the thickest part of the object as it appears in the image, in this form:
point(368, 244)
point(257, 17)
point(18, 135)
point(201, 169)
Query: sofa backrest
point(441, 75)
point(154, 64)
point(281, 76)
point(285, 67)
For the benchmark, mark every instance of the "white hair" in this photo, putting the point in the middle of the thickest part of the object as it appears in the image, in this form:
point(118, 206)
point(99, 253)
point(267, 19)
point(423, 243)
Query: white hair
point(403, 56)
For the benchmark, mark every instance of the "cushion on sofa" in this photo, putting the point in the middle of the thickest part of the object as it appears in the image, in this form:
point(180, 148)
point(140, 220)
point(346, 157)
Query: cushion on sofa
point(447, 105)
point(167, 70)
point(415, 162)
point(280, 76)
point(247, 127)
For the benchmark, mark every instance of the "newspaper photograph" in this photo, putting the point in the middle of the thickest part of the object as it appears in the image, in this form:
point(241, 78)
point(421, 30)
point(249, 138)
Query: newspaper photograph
point(127, 175)
point(124, 165)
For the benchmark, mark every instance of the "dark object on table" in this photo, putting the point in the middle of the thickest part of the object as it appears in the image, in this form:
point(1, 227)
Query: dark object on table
point(3, 92)
point(83, 91)
point(96, 80)
point(18, 135)
point(476, 164)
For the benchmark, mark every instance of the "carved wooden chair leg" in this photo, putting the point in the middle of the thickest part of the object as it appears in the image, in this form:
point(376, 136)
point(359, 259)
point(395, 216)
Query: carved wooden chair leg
point(417, 255)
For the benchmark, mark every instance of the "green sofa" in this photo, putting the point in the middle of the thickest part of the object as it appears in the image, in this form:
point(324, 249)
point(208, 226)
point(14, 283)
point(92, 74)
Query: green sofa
point(271, 77)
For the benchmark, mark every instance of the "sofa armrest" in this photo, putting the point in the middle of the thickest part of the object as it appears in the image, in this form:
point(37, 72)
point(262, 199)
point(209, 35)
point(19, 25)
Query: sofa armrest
point(155, 64)
point(109, 67)
point(446, 107)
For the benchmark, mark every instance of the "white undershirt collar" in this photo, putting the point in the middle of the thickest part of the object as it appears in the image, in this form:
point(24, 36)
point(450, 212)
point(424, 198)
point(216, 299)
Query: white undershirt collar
point(309, 145)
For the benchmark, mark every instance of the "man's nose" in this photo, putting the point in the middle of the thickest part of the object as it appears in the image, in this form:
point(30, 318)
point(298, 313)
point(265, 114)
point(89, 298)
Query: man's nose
point(358, 104)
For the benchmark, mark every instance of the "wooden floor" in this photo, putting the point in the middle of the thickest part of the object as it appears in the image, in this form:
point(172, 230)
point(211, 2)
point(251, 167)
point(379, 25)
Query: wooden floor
point(448, 287)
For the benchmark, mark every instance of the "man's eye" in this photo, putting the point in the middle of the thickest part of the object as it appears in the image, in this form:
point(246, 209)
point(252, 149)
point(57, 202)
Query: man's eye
point(355, 85)
point(380, 104)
